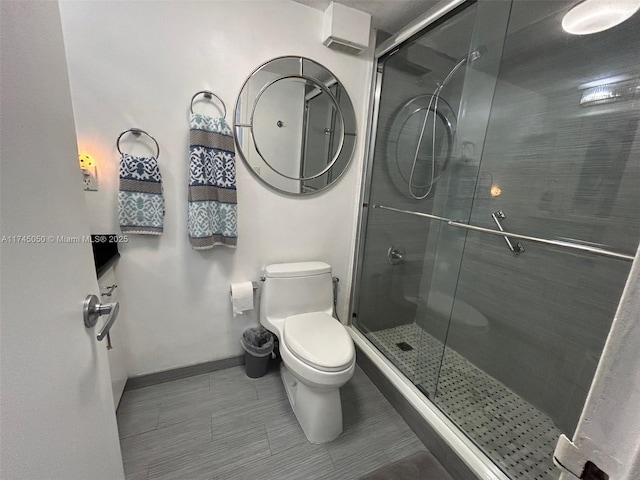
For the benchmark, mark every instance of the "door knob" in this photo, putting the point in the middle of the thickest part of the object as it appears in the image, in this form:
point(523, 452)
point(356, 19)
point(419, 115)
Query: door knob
point(92, 309)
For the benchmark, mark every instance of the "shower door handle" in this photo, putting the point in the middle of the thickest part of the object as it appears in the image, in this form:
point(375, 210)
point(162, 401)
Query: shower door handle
point(500, 215)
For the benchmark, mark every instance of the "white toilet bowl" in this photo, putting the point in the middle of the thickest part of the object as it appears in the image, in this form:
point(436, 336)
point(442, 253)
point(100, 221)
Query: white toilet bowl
point(318, 356)
point(314, 390)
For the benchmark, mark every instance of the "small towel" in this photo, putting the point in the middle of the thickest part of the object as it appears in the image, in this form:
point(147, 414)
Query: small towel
point(213, 209)
point(140, 200)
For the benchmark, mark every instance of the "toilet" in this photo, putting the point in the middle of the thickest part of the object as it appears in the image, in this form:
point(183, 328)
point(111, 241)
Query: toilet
point(318, 356)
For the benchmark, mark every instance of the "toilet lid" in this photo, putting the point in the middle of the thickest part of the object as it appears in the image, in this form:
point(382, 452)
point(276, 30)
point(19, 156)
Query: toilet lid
point(319, 340)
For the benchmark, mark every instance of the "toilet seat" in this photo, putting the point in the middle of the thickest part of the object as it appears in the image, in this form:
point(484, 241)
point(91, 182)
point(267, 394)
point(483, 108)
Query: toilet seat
point(319, 340)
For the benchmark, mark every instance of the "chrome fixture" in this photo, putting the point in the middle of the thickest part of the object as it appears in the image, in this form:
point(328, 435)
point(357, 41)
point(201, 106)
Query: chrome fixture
point(472, 57)
point(401, 130)
point(93, 309)
point(500, 215)
point(395, 254)
point(209, 95)
point(137, 132)
point(556, 243)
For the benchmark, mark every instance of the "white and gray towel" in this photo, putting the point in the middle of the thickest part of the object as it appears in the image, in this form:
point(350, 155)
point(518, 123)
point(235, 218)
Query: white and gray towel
point(213, 217)
point(140, 199)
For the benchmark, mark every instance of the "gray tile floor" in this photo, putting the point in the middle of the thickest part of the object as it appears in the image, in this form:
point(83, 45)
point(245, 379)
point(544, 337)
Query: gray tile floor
point(224, 425)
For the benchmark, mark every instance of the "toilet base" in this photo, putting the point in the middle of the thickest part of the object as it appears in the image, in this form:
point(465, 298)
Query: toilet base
point(318, 410)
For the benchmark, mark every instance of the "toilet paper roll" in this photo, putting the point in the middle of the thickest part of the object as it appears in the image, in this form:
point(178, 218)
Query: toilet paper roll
point(241, 297)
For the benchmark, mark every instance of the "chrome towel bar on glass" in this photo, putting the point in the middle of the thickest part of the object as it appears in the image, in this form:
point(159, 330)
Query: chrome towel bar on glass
point(544, 241)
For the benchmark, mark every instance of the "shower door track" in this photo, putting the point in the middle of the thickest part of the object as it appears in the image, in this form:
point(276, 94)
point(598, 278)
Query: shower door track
point(545, 241)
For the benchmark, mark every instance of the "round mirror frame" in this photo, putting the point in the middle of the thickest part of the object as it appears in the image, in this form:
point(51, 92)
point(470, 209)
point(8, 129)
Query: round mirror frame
point(323, 88)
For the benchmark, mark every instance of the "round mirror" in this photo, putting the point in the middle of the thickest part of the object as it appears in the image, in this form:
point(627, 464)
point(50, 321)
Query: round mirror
point(294, 125)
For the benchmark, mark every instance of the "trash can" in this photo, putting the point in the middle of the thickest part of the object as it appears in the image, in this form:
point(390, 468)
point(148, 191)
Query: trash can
point(258, 345)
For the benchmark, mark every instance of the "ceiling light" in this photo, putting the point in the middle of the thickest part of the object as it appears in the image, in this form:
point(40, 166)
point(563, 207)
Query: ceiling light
point(592, 16)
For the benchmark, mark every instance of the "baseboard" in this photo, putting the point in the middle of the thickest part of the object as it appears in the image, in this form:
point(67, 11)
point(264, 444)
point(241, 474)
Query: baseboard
point(142, 381)
point(425, 432)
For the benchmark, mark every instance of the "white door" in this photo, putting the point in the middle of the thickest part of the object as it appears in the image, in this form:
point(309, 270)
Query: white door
point(56, 407)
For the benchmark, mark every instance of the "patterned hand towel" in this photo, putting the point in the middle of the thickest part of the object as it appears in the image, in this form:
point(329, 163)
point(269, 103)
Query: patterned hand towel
point(212, 184)
point(140, 199)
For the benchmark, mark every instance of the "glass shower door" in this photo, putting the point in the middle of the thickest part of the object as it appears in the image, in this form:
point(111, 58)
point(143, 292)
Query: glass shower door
point(397, 254)
point(426, 105)
point(560, 161)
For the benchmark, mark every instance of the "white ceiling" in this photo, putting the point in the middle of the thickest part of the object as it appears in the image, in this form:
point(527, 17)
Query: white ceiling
point(387, 15)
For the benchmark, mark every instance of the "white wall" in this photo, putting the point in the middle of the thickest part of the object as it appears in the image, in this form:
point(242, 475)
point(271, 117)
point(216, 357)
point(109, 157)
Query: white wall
point(138, 64)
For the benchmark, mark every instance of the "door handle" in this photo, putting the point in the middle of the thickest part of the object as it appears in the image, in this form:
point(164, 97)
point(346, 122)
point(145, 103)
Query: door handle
point(92, 309)
point(500, 215)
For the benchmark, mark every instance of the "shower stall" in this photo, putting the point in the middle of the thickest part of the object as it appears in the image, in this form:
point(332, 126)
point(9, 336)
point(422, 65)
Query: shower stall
point(500, 217)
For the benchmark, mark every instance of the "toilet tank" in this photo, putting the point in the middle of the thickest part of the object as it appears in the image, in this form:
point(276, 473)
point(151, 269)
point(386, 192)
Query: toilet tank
point(293, 288)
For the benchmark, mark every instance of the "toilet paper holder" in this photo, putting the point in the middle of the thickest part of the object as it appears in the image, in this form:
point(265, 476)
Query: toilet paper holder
point(253, 284)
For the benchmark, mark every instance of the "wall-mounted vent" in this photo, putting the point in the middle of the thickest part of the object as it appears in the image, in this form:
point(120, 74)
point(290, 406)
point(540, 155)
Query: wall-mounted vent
point(336, 44)
point(346, 29)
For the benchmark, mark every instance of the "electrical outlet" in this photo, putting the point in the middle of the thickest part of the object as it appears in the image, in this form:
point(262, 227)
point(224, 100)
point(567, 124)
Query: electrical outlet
point(90, 179)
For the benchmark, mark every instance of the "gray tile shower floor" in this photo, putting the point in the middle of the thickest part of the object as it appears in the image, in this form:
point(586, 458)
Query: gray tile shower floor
point(517, 436)
point(224, 425)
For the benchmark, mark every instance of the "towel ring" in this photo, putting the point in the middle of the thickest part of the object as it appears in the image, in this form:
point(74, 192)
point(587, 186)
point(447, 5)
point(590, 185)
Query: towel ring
point(137, 132)
point(208, 94)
